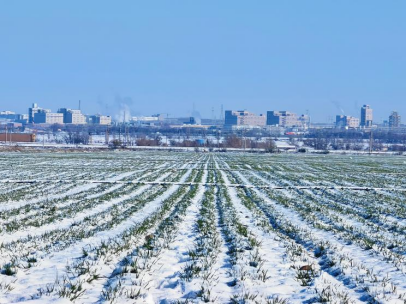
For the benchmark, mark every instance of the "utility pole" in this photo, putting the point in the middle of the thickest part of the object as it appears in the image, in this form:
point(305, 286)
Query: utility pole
point(370, 142)
point(119, 133)
point(243, 143)
point(107, 135)
point(125, 129)
point(218, 138)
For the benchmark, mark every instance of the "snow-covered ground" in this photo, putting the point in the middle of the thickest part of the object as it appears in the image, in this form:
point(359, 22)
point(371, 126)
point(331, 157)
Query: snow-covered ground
point(177, 227)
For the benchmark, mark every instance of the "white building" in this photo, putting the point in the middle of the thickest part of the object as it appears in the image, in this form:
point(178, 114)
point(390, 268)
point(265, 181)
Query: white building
point(346, 121)
point(99, 119)
point(243, 118)
point(47, 117)
point(71, 116)
point(7, 112)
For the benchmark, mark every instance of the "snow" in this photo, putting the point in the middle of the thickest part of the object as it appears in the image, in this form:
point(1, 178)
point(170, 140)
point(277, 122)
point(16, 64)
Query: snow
point(290, 211)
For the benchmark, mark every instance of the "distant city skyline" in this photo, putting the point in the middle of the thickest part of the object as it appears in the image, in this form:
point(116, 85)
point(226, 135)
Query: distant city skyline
point(122, 111)
point(324, 57)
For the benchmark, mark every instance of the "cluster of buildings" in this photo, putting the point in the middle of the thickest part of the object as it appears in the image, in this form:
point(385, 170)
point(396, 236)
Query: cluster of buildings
point(366, 121)
point(285, 119)
point(350, 122)
point(38, 115)
point(233, 119)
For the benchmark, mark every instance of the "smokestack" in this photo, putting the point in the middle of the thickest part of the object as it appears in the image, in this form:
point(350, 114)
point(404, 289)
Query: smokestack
point(79, 104)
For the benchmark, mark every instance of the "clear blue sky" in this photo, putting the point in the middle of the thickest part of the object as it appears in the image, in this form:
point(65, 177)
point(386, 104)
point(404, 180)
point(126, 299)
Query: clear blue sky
point(163, 56)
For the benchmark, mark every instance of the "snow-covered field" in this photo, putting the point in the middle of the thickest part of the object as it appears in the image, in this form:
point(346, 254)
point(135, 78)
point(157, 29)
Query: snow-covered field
point(165, 227)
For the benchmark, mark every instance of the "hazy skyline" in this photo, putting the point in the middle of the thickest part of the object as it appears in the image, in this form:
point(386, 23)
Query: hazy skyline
point(165, 56)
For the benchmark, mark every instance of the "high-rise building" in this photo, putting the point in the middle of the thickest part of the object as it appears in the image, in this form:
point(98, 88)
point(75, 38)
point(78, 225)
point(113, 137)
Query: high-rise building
point(346, 121)
point(243, 117)
point(394, 120)
point(366, 116)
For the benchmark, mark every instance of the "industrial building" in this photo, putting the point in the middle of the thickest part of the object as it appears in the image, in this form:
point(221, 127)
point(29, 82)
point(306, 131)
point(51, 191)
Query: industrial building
point(282, 119)
point(33, 110)
point(346, 121)
point(147, 119)
point(17, 137)
point(71, 116)
point(243, 118)
point(37, 115)
point(99, 119)
point(304, 121)
point(45, 116)
point(10, 115)
point(152, 120)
